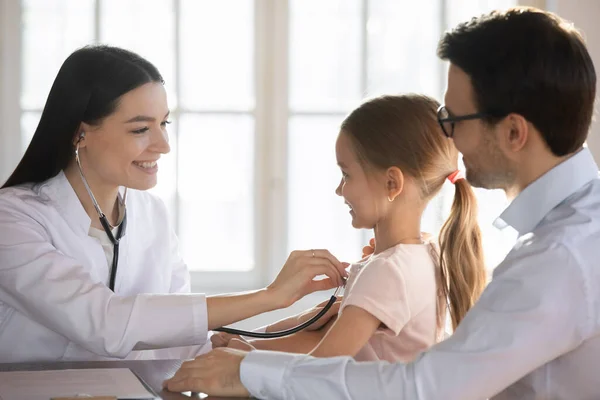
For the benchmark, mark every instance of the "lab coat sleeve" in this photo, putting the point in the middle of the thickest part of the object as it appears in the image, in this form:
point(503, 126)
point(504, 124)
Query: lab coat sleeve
point(180, 283)
point(57, 292)
point(180, 277)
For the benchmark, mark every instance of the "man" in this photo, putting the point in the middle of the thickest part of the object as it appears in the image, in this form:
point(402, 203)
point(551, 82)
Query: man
point(519, 103)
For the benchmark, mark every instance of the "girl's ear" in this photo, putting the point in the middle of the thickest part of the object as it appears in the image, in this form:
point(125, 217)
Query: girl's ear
point(394, 182)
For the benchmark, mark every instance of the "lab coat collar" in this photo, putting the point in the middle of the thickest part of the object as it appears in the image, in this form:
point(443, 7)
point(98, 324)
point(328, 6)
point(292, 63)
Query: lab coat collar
point(62, 194)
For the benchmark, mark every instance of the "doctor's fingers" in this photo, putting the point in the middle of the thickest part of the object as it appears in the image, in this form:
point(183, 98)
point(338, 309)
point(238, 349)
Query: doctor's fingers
point(320, 254)
point(308, 268)
point(320, 285)
point(318, 267)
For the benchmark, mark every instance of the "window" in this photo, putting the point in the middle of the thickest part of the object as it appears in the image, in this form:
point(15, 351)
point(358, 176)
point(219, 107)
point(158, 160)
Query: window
point(353, 49)
point(356, 49)
point(257, 90)
point(207, 180)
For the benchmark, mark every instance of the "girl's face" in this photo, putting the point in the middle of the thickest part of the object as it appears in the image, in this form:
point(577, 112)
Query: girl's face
point(365, 195)
point(124, 149)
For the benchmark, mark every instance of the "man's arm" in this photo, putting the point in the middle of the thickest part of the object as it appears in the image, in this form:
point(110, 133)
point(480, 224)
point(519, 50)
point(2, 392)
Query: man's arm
point(533, 311)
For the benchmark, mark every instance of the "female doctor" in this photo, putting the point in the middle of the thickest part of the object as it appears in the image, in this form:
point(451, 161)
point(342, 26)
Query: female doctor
point(89, 265)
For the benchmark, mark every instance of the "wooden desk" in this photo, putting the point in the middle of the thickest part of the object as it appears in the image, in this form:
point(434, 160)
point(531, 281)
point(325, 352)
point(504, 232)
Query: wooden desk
point(153, 372)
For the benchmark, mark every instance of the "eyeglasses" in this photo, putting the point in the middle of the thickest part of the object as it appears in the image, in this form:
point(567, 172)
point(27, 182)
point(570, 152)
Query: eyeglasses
point(447, 121)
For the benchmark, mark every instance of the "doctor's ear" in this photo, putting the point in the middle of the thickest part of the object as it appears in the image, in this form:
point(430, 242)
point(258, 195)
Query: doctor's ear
point(81, 134)
point(79, 139)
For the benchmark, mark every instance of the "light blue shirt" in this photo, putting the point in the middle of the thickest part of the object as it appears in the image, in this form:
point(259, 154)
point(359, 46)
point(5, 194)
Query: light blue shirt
point(534, 333)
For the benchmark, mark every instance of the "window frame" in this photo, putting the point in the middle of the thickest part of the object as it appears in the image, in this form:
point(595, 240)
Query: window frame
point(271, 118)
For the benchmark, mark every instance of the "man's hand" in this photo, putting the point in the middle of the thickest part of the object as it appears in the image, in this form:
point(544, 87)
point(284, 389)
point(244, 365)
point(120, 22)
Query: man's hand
point(216, 373)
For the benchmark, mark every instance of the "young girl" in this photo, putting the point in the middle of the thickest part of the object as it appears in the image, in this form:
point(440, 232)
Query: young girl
point(394, 159)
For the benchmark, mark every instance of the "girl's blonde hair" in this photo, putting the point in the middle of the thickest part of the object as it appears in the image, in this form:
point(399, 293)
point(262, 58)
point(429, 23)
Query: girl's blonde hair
point(403, 131)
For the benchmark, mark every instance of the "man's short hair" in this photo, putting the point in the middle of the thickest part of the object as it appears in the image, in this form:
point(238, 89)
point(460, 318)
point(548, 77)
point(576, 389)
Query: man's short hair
point(532, 63)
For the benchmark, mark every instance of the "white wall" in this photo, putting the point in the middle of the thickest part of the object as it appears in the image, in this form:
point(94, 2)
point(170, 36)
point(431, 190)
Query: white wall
point(10, 139)
point(585, 14)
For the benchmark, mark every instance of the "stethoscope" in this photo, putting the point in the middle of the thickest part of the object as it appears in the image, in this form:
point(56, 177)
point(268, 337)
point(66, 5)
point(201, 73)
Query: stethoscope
point(104, 221)
point(121, 232)
point(287, 332)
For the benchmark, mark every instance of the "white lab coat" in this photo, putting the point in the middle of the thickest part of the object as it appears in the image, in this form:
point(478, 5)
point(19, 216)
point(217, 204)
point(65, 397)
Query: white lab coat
point(54, 303)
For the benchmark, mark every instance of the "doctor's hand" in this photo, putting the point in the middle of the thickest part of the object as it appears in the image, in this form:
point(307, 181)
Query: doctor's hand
point(216, 373)
point(296, 278)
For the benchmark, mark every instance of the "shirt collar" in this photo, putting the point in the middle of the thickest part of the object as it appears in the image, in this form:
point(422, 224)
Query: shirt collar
point(531, 206)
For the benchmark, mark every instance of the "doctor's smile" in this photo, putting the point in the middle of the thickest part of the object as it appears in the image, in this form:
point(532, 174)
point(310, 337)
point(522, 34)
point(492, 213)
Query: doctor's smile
point(150, 167)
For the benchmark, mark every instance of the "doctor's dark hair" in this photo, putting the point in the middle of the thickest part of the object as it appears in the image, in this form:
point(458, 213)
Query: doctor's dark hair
point(532, 63)
point(402, 131)
point(87, 89)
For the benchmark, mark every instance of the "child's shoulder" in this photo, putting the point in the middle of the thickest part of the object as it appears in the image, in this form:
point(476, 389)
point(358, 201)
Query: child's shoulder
point(402, 252)
point(400, 256)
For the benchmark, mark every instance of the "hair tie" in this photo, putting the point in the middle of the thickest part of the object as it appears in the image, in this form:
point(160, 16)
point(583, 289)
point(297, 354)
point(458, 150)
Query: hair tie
point(455, 176)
